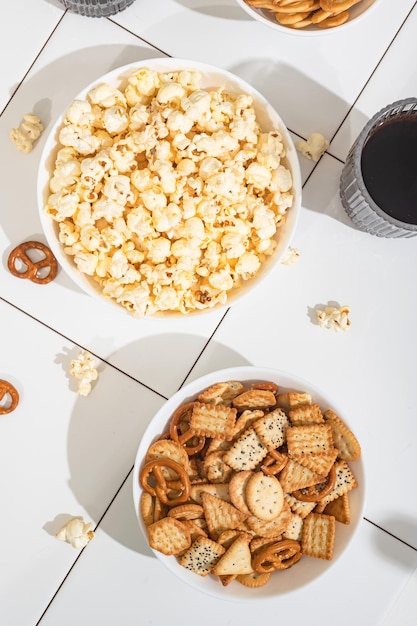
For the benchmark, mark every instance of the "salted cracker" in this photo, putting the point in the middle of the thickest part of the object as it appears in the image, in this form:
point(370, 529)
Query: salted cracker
point(293, 399)
point(169, 536)
point(202, 555)
point(339, 508)
point(343, 438)
point(221, 393)
point(221, 490)
point(237, 558)
point(306, 414)
point(299, 507)
point(246, 452)
point(318, 536)
point(255, 399)
point(271, 428)
point(212, 420)
point(296, 476)
point(220, 515)
point(264, 496)
point(309, 439)
point(237, 487)
point(319, 463)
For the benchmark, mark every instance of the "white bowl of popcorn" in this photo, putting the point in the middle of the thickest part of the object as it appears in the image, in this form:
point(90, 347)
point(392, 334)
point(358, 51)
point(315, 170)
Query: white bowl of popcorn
point(307, 19)
point(169, 187)
point(209, 526)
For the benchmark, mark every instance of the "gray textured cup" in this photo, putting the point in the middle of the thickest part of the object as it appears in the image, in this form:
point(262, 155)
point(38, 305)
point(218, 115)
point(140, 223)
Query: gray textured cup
point(357, 202)
point(96, 8)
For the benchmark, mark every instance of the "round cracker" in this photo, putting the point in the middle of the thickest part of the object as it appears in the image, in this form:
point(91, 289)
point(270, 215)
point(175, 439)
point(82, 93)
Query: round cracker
point(264, 496)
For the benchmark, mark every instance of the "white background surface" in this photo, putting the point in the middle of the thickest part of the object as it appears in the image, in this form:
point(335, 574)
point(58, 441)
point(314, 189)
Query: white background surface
point(63, 456)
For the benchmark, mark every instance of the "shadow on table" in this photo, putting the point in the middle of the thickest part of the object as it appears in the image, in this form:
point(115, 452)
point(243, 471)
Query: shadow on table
point(403, 528)
point(227, 9)
point(107, 426)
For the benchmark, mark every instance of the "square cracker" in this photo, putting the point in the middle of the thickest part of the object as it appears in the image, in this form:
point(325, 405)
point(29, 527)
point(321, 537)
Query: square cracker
point(212, 420)
point(246, 452)
point(202, 555)
point(309, 439)
point(318, 536)
point(306, 414)
point(271, 428)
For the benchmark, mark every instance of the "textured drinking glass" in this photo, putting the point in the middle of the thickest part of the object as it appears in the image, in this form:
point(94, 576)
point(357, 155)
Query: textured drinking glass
point(356, 199)
point(96, 8)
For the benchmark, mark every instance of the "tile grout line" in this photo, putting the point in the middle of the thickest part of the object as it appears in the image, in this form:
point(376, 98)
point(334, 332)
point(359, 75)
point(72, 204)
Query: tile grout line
point(32, 64)
point(359, 94)
point(390, 534)
point(57, 332)
point(138, 37)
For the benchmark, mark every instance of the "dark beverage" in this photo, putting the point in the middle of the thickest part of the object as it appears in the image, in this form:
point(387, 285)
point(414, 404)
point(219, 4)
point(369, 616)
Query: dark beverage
point(389, 166)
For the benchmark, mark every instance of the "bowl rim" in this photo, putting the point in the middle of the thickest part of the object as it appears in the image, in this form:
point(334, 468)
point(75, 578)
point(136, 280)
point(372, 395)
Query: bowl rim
point(264, 109)
point(257, 15)
point(345, 533)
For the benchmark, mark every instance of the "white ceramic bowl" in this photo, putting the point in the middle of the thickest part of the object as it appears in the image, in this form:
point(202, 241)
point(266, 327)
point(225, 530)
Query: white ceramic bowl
point(308, 570)
point(268, 118)
point(357, 12)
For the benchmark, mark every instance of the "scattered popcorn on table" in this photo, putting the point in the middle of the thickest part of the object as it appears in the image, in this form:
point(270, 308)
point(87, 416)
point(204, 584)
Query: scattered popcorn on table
point(29, 130)
point(167, 194)
point(334, 318)
point(290, 257)
point(84, 370)
point(76, 532)
point(314, 148)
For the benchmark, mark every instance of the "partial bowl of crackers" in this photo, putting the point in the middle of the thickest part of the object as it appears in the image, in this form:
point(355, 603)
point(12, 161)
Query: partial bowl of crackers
point(248, 483)
point(169, 187)
point(308, 17)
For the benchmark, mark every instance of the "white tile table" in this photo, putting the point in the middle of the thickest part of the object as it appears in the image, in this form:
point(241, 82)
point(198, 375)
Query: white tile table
point(62, 455)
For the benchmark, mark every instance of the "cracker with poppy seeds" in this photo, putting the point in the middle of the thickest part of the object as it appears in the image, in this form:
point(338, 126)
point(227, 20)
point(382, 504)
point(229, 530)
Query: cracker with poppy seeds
point(220, 515)
point(237, 558)
point(213, 420)
point(309, 439)
point(264, 496)
point(169, 536)
point(221, 393)
point(318, 535)
point(201, 556)
point(254, 399)
point(221, 490)
point(296, 476)
point(344, 440)
point(295, 528)
point(339, 508)
point(306, 414)
point(271, 428)
point(345, 482)
point(246, 452)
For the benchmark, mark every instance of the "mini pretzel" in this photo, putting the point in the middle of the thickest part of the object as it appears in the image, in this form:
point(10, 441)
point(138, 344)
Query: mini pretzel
point(181, 432)
point(274, 462)
point(170, 492)
point(315, 494)
point(276, 556)
point(10, 395)
point(33, 269)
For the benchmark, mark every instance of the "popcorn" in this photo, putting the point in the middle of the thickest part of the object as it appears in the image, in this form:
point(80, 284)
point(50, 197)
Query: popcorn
point(290, 257)
point(26, 134)
point(83, 369)
point(334, 318)
point(315, 146)
point(168, 195)
point(76, 532)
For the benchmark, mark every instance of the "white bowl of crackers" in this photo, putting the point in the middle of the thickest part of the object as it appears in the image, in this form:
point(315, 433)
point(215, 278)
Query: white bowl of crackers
point(309, 17)
point(248, 483)
point(169, 187)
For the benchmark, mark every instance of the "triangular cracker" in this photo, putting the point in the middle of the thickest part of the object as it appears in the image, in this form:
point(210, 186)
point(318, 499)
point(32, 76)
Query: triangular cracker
point(237, 558)
point(220, 515)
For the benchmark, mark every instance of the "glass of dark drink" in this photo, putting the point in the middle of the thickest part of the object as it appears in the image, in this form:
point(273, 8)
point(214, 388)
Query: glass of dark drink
point(96, 8)
point(378, 186)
